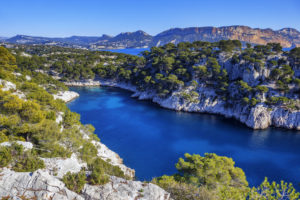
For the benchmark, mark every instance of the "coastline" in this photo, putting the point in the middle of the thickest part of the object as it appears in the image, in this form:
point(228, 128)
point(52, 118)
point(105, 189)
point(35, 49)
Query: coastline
point(259, 117)
point(66, 96)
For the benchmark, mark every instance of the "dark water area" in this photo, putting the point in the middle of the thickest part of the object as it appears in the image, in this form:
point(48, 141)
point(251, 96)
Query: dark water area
point(150, 139)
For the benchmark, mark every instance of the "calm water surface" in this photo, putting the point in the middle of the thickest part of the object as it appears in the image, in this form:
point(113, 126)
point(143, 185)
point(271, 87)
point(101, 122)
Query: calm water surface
point(151, 139)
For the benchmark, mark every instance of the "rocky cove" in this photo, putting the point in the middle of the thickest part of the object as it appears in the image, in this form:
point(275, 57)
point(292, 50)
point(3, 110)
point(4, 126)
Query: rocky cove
point(47, 183)
point(228, 84)
point(259, 117)
point(150, 139)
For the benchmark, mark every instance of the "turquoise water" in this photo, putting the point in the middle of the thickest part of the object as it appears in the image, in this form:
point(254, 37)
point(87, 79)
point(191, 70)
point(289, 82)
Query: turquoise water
point(135, 52)
point(151, 139)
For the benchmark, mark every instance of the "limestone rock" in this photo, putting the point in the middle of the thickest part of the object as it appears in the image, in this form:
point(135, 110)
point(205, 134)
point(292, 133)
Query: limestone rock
point(59, 167)
point(26, 145)
point(66, 96)
point(120, 189)
point(37, 185)
point(113, 158)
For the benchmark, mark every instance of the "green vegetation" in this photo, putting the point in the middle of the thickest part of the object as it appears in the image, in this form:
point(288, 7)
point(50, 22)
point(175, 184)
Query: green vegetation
point(32, 116)
point(169, 68)
point(216, 177)
point(186, 67)
point(75, 181)
point(19, 159)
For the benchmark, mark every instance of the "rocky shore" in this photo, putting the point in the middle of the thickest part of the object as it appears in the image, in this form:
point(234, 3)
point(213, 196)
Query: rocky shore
point(47, 183)
point(259, 117)
point(66, 96)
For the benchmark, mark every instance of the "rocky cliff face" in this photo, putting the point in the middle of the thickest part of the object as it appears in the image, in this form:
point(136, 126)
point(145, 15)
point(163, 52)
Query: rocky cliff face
point(42, 185)
point(287, 37)
point(259, 117)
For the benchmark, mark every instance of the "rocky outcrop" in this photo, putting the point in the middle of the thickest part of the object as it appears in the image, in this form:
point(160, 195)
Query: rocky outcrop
point(37, 185)
point(259, 117)
point(46, 183)
point(26, 145)
point(59, 167)
point(85, 83)
point(42, 185)
point(113, 158)
point(120, 189)
point(66, 96)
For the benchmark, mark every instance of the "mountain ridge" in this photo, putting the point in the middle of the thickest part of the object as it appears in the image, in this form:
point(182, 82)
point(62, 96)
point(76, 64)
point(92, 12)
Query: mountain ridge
point(287, 37)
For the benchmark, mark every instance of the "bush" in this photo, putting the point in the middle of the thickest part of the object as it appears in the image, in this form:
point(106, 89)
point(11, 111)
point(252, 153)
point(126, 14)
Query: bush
point(97, 176)
point(88, 152)
point(210, 170)
point(70, 119)
point(28, 163)
point(99, 165)
point(246, 100)
point(253, 101)
point(274, 191)
point(205, 178)
point(5, 156)
point(75, 181)
point(183, 191)
point(278, 100)
point(262, 89)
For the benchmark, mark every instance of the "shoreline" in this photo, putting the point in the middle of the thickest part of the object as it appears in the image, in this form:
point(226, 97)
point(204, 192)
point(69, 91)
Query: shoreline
point(66, 96)
point(257, 118)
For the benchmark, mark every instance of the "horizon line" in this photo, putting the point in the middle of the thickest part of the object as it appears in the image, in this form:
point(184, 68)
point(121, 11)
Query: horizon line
point(7, 37)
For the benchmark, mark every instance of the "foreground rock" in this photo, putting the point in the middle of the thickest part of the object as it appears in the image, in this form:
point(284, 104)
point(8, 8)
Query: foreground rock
point(66, 96)
point(113, 158)
point(41, 185)
point(124, 190)
point(37, 185)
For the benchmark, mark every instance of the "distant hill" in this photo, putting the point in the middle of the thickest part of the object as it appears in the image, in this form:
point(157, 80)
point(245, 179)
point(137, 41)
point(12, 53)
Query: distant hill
point(287, 37)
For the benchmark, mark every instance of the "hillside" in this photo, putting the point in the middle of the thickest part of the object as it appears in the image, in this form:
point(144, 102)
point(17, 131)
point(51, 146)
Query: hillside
point(46, 153)
point(258, 86)
point(287, 37)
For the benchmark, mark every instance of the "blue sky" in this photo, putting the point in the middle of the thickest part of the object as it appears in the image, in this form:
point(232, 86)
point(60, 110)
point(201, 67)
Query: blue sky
point(57, 18)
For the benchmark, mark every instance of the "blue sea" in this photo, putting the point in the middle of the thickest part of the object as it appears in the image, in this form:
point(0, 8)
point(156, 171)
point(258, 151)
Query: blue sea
point(135, 52)
point(150, 139)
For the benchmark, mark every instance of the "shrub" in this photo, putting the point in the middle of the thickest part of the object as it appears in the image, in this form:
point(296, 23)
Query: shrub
point(97, 176)
point(210, 170)
point(205, 178)
point(183, 191)
point(71, 118)
point(28, 163)
point(31, 112)
point(246, 100)
point(75, 181)
point(88, 152)
point(262, 89)
point(5, 156)
point(3, 137)
point(274, 191)
point(278, 100)
point(98, 165)
point(253, 101)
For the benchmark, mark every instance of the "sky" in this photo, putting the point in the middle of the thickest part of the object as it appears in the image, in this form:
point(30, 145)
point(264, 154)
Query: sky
point(63, 18)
